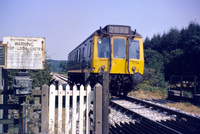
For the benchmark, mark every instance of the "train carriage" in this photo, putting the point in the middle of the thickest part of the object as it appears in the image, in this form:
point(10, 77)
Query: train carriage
point(114, 48)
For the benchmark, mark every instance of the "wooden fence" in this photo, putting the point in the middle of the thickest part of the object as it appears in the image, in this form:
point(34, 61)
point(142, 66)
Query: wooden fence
point(83, 107)
point(77, 112)
point(88, 104)
point(185, 88)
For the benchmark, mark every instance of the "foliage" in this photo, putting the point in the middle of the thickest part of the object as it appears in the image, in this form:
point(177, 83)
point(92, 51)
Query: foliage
point(153, 59)
point(13, 129)
point(63, 66)
point(57, 65)
point(152, 81)
point(31, 116)
point(154, 66)
point(146, 87)
point(179, 51)
point(39, 77)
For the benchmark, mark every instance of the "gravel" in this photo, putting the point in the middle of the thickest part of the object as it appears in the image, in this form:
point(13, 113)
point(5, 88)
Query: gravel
point(117, 117)
point(161, 104)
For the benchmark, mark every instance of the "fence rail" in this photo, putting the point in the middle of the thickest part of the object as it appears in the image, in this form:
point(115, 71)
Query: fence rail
point(184, 88)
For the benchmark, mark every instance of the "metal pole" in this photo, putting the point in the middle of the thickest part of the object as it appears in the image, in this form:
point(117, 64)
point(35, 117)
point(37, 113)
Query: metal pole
point(181, 92)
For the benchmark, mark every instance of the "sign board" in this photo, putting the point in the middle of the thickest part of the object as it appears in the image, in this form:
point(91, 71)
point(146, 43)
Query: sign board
point(3, 53)
point(25, 52)
point(116, 29)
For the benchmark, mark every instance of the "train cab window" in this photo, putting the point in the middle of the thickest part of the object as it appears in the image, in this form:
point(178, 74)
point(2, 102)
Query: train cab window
point(119, 48)
point(103, 48)
point(134, 52)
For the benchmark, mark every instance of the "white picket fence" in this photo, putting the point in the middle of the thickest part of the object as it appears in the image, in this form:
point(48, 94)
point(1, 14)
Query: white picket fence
point(84, 107)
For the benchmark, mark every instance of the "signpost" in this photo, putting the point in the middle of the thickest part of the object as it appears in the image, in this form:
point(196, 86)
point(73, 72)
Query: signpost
point(24, 53)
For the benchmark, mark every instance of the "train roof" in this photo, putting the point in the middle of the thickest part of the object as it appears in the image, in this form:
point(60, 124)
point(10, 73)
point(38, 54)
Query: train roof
point(113, 30)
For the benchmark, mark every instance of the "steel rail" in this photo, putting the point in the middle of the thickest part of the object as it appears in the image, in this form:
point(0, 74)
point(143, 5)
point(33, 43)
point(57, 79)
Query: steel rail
point(178, 114)
point(140, 118)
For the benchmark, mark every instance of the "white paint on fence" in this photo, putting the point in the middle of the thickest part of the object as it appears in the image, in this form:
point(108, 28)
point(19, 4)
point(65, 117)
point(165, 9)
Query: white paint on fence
point(60, 95)
point(83, 107)
point(67, 98)
point(51, 109)
point(74, 110)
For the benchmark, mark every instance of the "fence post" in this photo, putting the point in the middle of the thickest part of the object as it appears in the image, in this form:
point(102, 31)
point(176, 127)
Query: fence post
point(88, 101)
point(195, 86)
point(181, 92)
point(74, 103)
point(60, 97)
point(105, 103)
point(81, 104)
point(44, 110)
point(98, 109)
point(51, 109)
point(67, 99)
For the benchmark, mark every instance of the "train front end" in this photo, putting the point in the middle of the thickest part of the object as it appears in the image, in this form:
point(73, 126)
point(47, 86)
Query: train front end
point(119, 50)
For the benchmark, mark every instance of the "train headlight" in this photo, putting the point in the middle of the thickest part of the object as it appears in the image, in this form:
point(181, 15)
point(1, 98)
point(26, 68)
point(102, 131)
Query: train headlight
point(134, 68)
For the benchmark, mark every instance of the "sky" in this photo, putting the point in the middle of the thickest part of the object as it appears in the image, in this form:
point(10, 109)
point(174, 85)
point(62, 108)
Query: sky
point(67, 23)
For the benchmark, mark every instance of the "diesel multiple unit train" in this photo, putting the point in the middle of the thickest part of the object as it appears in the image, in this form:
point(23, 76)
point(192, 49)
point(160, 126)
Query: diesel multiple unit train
point(114, 48)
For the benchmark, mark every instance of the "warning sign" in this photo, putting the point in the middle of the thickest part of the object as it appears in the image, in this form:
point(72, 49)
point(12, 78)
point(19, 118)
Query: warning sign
point(25, 52)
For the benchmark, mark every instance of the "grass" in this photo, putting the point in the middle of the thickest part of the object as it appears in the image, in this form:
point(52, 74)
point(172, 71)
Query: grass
point(148, 95)
point(185, 106)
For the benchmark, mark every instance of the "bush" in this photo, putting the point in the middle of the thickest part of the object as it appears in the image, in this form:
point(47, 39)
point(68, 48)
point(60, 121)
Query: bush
point(146, 87)
point(154, 79)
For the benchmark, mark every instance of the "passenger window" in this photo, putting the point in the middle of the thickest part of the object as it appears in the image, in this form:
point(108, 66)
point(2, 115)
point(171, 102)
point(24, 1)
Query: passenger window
point(103, 47)
point(83, 56)
point(79, 55)
point(134, 52)
point(119, 48)
point(90, 48)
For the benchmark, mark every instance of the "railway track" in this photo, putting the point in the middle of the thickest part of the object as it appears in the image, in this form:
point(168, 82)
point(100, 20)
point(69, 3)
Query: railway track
point(162, 121)
point(60, 78)
point(172, 121)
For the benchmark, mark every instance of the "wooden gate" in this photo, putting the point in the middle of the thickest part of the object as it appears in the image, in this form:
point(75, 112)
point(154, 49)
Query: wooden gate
point(80, 111)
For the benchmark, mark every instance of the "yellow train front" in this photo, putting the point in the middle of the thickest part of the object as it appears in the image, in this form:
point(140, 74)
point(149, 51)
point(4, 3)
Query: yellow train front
point(114, 48)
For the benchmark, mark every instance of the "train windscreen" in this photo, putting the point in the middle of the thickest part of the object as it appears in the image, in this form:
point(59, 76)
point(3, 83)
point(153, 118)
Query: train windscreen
point(134, 52)
point(119, 48)
point(103, 47)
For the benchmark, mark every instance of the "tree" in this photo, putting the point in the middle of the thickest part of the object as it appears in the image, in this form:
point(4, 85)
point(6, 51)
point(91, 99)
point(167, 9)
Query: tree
point(170, 41)
point(179, 49)
point(39, 77)
point(63, 66)
point(154, 68)
point(153, 59)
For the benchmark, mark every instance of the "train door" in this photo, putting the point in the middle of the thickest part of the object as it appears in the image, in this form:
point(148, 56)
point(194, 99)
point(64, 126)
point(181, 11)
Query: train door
point(118, 55)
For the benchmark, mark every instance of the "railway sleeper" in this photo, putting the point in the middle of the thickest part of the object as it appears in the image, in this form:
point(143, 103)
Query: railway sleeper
point(175, 127)
point(134, 129)
point(123, 130)
point(188, 125)
point(152, 126)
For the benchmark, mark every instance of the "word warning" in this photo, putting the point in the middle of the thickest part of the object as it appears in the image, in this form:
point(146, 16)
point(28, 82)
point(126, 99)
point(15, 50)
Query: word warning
point(25, 52)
